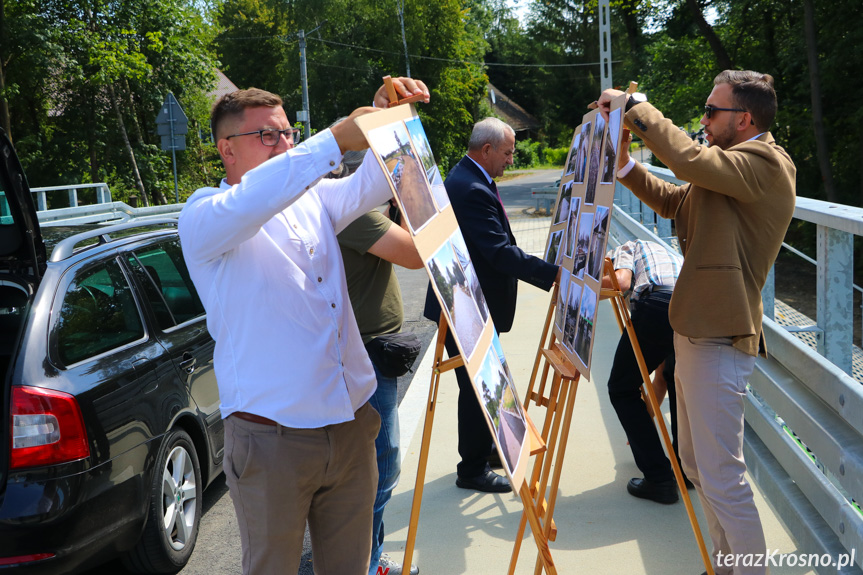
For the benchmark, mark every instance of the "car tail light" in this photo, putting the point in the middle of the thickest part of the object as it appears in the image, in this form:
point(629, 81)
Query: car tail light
point(22, 559)
point(47, 428)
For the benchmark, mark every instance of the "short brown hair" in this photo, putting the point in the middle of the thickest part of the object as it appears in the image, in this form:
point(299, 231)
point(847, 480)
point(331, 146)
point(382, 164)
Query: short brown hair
point(233, 105)
point(752, 91)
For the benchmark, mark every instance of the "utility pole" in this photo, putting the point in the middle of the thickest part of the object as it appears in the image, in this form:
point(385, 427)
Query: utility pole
point(401, 5)
point(304, 81)
point(604, 46)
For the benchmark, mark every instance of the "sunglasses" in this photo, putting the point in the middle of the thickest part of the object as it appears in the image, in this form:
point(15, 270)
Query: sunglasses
point(272, 137)
point(709, 110)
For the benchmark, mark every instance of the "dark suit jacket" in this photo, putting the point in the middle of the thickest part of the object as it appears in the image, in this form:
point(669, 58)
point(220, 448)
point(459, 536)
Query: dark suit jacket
point(499, 263)
point(731, 219)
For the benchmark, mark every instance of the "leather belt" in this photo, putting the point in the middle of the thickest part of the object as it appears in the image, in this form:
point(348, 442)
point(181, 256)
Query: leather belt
point(661, 289)
point(253, 418)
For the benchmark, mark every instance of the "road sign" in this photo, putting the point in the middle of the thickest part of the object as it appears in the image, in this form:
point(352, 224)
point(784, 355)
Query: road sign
point(171, 115)
point(172, 125)
point(175, 143)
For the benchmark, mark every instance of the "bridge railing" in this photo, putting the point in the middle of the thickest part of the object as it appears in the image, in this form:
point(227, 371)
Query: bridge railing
point(804, 413)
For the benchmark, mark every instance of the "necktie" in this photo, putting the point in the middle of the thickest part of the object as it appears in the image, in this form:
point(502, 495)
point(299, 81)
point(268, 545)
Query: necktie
point(494, 187)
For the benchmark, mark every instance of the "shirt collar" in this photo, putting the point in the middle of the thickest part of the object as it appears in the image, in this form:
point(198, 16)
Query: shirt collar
point(484, 173)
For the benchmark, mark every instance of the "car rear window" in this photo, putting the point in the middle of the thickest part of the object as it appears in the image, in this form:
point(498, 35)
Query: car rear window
point(98, 314)
point(169, 288)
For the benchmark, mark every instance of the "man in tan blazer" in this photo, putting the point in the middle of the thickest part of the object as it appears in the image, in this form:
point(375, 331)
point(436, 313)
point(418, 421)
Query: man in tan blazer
point(731, 218)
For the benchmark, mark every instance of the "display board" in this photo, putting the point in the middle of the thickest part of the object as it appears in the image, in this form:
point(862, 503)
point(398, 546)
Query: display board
point(398, 141)
point(578, 235)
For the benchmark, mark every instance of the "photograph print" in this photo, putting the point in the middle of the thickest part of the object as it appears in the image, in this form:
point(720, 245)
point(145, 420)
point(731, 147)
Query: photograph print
point(574, 210)
point(611, 141)
point(573, 154)
point(598, 238)
point(570, 323)
point(423, 149)
point(463, 257)
point(552, 251)
point(406, 173)
point(582, 245)
point(451, 284)
point(560, 307)
point(501, 404)
point(584, 329)
point(595, 150)
point(581, 159)
point(563, 204)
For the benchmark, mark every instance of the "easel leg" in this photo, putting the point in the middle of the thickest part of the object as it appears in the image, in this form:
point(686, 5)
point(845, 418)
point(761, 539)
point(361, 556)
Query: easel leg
point(536, 529)
point(624, 321)
point(439, 367)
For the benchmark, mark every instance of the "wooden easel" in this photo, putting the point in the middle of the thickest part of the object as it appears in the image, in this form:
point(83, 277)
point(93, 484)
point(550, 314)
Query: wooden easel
point(559, 402)
point(394, 97)
point(536, 446)
point(624, 321)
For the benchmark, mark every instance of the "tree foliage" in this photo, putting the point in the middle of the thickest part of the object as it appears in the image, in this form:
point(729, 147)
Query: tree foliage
point(81, 81)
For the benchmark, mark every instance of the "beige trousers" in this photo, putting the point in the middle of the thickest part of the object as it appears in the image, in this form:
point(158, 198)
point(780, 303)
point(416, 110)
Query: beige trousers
point(279, 477)
point(711, 377)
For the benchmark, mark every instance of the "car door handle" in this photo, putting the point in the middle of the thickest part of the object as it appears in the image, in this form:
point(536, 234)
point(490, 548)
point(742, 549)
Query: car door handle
point(188, 362)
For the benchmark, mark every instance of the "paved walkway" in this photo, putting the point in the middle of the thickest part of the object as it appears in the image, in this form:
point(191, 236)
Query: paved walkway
point(602, 529)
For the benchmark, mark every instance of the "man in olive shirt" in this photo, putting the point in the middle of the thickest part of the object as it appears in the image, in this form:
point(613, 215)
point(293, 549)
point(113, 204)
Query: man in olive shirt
point(370, 246)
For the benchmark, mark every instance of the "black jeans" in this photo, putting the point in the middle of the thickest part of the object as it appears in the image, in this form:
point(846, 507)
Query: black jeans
point(656, 338)
point(474, 439)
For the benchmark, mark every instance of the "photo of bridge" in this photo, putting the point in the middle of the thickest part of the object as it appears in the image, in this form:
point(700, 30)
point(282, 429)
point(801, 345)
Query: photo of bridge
point(502, 407)
point(452, 285)
point(406, 173)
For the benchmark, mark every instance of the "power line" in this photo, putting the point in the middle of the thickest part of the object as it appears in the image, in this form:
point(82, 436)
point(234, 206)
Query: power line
point(459, 61)
point(291, 37)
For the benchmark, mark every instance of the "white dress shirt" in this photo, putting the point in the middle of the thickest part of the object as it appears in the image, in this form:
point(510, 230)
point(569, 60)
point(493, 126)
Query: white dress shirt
point(264, 258)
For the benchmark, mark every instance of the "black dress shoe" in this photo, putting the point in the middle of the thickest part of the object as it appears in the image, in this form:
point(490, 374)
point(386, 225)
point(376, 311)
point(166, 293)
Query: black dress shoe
point(487, 481)
point(661, 492)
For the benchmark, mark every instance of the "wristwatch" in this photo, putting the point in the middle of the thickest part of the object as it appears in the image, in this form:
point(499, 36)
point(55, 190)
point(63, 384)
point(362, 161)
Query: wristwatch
point(634, 99)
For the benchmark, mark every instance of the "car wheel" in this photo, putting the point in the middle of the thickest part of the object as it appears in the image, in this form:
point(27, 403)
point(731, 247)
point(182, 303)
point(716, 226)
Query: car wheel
point(175, 509)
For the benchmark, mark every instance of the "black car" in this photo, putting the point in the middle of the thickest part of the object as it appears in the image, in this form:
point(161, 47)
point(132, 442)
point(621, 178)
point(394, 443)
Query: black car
point(110, 426)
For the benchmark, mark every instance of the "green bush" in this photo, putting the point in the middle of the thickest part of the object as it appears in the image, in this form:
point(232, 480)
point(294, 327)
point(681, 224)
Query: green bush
point(556, 156)
point(527, 154)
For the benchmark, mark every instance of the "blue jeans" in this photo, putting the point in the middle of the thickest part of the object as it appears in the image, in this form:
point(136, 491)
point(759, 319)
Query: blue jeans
point(385, 401)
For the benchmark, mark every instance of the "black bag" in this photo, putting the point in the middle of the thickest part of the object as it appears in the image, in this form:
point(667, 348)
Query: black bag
point(394, 354)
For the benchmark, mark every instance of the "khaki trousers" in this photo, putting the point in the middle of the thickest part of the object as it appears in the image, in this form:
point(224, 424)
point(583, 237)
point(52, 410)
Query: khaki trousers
point(280, 477)
point(711, 377)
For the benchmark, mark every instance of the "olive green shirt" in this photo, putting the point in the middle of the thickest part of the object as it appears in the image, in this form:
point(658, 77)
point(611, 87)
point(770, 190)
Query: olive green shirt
point(372, 284)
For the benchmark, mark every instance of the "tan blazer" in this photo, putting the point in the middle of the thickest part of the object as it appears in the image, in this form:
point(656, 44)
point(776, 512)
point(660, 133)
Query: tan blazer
point(731, 219)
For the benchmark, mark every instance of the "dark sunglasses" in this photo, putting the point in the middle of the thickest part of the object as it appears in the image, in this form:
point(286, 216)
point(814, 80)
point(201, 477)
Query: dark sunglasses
point(272, 137)
point(709, 110)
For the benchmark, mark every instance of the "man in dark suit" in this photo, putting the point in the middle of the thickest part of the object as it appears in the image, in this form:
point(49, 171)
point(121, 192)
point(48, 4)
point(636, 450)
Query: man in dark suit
point(499, 264)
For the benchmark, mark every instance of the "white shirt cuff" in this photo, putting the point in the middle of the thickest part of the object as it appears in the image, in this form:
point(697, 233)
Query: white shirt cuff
point(624, 171)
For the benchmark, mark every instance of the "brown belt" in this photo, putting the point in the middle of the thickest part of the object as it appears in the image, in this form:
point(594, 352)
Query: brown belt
point(253, 418)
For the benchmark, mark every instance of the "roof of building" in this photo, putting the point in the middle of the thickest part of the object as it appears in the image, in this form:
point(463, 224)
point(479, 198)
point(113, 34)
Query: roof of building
point(223, 86)
point(510, 112)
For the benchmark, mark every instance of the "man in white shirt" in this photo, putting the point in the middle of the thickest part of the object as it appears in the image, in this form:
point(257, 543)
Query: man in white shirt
point(294, 377)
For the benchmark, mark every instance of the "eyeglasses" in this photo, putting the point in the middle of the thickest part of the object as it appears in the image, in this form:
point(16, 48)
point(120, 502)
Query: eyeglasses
point(708, 110)
point(272, 137)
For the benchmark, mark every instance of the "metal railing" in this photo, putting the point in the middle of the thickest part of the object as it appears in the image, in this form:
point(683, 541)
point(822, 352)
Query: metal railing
point(804, 413)
point(103, 194)
point(103, 211)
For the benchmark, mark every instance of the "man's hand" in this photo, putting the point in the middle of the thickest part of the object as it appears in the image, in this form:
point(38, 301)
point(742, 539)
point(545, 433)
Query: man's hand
point(348, 135)
point(405, 87)
point(625, 142)
point(605, 99)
